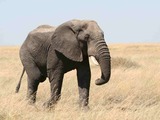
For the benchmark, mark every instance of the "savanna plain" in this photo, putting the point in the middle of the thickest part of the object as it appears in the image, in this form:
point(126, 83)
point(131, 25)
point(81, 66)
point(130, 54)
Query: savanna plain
point(133, 92)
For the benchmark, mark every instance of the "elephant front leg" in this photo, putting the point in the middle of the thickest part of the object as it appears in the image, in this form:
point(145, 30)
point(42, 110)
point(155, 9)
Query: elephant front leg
point(55, 78)
point(84, 75)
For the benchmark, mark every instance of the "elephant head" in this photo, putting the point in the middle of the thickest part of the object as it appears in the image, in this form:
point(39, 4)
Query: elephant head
point(77, 39)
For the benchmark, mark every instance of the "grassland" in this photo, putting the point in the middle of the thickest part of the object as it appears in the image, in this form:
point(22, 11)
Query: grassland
point(133, 92)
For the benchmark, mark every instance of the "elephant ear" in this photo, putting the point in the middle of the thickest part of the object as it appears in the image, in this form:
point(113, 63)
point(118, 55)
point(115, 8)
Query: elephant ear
point(65, 41)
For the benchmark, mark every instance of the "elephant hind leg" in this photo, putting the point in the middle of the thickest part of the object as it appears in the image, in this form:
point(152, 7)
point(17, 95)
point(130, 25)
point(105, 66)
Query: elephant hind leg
point(32, 90)
point(34, 78)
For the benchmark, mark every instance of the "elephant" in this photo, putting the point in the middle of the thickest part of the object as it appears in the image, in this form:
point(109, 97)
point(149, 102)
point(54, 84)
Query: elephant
point(56, 51)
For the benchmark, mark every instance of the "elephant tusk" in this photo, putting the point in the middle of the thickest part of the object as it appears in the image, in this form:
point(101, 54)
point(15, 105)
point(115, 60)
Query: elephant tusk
point(94, 60)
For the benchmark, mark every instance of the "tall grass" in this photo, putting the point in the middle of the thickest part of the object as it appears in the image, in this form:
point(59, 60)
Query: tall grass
point(133, 92)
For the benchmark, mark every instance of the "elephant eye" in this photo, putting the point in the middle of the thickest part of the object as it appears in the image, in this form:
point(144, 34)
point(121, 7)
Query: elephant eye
point(86, 37)
point(102, 33)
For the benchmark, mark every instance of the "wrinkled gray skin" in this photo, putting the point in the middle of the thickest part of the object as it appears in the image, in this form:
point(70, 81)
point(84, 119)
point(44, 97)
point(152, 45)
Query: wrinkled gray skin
point(54, 52)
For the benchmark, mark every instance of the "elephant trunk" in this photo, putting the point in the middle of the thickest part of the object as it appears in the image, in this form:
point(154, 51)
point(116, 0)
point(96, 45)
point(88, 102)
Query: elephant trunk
point(104, 60)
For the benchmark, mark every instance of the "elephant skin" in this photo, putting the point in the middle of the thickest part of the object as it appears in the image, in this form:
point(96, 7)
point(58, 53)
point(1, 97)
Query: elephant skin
point(51, 52)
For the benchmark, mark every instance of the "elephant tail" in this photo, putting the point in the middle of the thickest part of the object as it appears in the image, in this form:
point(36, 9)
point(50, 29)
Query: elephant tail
point(19, 83)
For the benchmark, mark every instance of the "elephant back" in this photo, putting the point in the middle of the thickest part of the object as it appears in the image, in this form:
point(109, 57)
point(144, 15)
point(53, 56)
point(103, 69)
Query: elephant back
point(39, 39)
point(43, 29)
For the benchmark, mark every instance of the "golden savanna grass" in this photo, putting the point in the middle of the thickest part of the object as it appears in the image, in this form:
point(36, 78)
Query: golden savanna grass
point(133, 92)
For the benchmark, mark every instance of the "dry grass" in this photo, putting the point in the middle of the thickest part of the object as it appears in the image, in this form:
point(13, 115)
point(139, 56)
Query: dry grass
point(133, 92)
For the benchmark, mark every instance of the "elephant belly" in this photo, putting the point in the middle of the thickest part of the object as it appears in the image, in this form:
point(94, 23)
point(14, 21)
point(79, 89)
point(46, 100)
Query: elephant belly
point(42, 67)
point(69, 65)
point(41, 62)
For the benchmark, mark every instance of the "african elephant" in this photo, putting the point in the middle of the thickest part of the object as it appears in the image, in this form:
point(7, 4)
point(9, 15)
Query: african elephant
point(57, 51)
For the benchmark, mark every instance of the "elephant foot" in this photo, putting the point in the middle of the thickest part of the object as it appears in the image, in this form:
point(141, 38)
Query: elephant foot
point(49, 105)
point(85, 108)
point(30, 101)
point(83, 105)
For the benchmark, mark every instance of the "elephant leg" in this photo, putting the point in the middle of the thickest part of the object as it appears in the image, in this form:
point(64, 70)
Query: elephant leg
point(83, 75)
point(34, 78)
point(32, 90)
point(56, 79)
